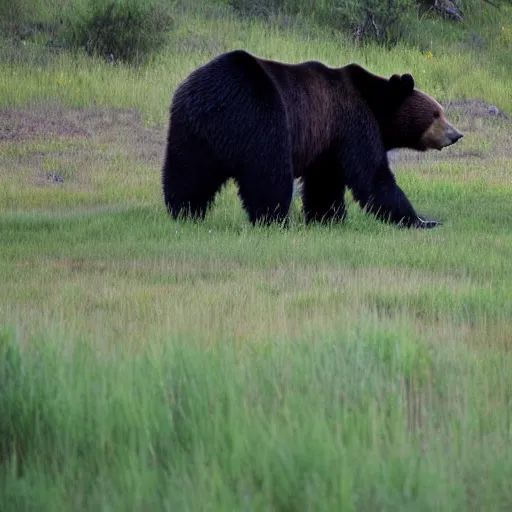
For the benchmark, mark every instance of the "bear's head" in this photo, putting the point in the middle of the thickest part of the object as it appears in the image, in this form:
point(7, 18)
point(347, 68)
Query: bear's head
point(416, 121)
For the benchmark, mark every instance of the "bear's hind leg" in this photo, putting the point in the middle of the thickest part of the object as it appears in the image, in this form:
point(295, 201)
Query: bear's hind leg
point(266, 195)
point(323, 193)
point(191, 178)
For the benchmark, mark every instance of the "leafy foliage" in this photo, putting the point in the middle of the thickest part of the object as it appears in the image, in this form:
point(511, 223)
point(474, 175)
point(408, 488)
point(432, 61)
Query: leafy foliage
point(365, 19)
point(127, 30)
point(371, 19)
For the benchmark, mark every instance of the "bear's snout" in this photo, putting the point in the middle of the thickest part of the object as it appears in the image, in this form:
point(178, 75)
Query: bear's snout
point(453, 134)
point(439, 135)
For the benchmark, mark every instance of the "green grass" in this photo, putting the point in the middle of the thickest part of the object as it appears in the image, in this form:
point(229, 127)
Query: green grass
point(354, 419)
point(148, 364)
point(30, 75)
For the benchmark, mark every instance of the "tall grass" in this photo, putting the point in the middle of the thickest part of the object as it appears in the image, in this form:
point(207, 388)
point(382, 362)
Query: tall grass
point(361, 418)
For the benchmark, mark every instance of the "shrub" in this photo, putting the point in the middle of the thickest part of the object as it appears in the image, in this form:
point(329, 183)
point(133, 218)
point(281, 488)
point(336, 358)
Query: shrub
point(370, 19)
point(127, 30)
point(380, 20)
point(262, 8)
point(26, 18)
point(12, 14)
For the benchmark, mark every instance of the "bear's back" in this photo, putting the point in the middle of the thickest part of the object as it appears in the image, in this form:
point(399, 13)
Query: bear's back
point(231, 80)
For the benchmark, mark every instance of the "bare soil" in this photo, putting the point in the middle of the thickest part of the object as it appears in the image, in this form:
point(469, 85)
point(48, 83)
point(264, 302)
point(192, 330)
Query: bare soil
point(126, 128)
point(472, 109)
point(96, 123)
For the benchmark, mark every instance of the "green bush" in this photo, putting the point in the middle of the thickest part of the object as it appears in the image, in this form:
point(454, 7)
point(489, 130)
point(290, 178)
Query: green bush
point(24, 19)
point(126, 30)
point(369, 19)
point(262, 8)
point(379, 20)
point(12, 14)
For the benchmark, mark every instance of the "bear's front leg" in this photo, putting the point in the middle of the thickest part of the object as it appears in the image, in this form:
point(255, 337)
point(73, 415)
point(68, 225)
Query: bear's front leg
point(369, 176)
point(389, 203)
point(386, 200)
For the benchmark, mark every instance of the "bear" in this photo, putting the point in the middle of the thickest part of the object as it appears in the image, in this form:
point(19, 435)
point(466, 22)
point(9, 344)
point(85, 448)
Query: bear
point(266, 124)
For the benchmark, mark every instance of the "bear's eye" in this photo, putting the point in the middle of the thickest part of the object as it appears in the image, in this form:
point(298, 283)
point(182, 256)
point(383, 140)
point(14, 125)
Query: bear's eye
point(437, 114)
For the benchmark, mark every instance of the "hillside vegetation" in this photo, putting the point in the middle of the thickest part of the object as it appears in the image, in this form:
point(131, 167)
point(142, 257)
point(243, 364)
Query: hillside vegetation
point(148, 364)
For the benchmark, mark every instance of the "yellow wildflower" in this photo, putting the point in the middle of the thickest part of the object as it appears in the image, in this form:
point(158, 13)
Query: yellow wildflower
point(61, 79)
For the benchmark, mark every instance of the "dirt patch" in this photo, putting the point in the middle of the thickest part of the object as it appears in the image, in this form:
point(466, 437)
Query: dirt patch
point(124, 130)
point(20, 124)
point(102, 125)
point(124, 126)
point(474, 109)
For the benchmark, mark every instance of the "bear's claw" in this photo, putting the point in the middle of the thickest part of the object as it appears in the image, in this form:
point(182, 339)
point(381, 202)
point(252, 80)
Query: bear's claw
point(423, 223)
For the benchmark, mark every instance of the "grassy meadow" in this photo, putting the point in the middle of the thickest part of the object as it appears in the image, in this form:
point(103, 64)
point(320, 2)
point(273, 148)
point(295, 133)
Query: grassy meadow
point(148, 364)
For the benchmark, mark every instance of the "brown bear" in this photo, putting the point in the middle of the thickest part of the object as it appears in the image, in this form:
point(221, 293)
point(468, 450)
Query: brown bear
point(265, 123)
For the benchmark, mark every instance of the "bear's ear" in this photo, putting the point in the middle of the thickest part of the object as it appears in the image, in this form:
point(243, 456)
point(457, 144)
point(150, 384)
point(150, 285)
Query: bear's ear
point(403, 84)
point(395, 80)
point(408, 83)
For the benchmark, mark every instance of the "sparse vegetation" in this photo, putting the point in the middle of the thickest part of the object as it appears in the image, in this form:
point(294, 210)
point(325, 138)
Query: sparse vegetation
point(147, 364)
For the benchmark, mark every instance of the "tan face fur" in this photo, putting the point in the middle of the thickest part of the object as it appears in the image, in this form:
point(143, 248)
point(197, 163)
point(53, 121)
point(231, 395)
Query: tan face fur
point(440, 133)
point(420, 123)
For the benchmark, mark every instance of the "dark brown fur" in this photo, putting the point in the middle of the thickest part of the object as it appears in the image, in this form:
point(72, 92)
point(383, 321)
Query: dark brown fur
point(265, 123)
